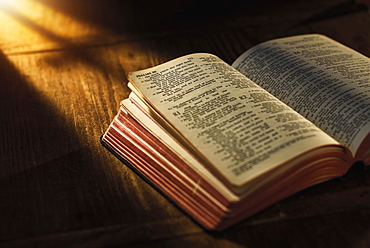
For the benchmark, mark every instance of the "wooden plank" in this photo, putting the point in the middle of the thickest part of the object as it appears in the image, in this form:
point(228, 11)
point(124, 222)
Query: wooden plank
point(345, 229)
point(46, 25)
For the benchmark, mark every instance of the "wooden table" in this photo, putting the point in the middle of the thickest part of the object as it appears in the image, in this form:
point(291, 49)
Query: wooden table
point(63, 67)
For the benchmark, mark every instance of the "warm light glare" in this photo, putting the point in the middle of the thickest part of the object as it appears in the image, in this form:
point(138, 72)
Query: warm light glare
point(7, 2)
point(37, 26)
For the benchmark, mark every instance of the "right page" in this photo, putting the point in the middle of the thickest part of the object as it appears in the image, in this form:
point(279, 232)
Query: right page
point(326, 82)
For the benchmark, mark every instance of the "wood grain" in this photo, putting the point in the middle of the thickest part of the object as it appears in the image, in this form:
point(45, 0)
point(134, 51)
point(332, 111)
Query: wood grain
point(63, 73)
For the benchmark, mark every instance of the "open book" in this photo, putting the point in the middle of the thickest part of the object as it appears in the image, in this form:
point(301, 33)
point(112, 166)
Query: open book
point(224, 142)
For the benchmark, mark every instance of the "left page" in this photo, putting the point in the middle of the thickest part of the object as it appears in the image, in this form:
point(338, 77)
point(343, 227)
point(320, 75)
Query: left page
point(238, 127)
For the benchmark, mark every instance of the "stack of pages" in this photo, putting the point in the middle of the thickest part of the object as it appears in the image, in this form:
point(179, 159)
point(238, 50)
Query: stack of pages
point(224, 142)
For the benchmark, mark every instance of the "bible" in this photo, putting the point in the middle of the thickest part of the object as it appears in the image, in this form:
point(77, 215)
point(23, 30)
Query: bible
point(224, 142)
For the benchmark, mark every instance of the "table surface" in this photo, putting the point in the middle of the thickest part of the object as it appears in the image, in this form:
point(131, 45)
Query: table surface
point(63, 73)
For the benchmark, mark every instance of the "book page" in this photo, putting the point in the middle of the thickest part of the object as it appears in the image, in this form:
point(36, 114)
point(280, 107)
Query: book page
point(133, 106)
point(324, 81)
point(241, 129)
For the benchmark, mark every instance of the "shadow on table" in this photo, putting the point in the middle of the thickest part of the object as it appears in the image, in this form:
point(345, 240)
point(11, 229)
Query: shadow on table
point(50, 180)
point(313, 217)
point(142, 16)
